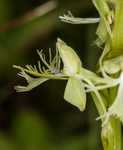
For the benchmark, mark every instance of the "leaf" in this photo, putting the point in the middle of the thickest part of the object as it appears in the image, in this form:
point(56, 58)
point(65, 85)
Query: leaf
point(71, 61)
point(32, 82)
point(104, 11)
point(75, 93)
point(102, 33)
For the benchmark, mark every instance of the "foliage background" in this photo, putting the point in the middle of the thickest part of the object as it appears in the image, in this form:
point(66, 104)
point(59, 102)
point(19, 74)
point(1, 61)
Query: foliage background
point(41, 119)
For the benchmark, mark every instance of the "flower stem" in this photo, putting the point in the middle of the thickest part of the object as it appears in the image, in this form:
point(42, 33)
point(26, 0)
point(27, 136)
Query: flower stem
point(111, 134)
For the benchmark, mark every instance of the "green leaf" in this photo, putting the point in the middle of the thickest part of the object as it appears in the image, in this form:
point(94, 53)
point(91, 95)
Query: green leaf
point(104, 11)
point(75, 93)
point(102, 7)
point(102, 33)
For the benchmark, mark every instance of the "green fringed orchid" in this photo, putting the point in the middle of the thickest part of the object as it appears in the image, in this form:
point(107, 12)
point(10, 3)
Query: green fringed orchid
point(80, 80)
point(75, 91)
point(106, 87)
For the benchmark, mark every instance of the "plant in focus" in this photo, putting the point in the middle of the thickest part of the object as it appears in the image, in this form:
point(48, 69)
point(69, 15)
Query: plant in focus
point(105, 86)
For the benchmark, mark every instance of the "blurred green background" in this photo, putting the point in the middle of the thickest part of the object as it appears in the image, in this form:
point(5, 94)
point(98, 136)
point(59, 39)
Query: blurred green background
point(41, 119)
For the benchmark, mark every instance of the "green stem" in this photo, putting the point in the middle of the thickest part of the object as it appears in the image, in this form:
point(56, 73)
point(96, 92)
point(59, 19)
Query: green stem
point(117, 43)
point(111, 135)
point(117, 31)
point(100, 108)
point(111, 131)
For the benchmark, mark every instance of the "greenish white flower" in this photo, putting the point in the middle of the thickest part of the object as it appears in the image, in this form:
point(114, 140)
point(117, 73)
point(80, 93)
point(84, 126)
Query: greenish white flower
point(79, 79)
point(75, 90)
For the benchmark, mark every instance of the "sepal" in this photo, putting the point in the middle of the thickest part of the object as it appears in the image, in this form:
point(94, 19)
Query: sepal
point(75, 93)
point(71, 61)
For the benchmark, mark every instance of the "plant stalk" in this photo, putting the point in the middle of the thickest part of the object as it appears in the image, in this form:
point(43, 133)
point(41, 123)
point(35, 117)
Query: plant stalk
point(111, 134)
